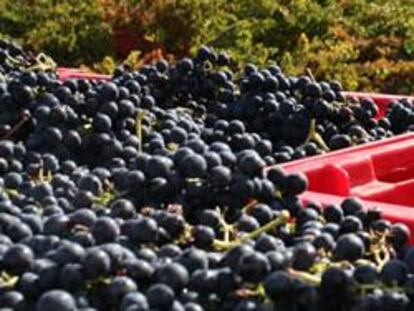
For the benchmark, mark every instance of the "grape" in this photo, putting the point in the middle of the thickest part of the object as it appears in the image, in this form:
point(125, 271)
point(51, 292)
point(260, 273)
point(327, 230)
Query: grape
point(349, 247)
point(161, 189)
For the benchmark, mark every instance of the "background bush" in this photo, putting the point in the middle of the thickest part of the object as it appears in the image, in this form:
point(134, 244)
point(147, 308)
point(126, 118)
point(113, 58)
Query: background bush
point(71, 31)
point(367, 44)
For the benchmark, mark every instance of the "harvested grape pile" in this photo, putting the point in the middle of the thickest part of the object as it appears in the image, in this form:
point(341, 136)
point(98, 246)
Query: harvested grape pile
point(157, 190)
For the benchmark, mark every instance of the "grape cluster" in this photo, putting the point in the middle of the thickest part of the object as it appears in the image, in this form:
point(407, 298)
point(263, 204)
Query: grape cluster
point(158, 190)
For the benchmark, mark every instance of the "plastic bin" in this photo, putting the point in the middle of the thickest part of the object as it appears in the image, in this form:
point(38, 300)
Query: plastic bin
point(380, 173)
point(74, 73)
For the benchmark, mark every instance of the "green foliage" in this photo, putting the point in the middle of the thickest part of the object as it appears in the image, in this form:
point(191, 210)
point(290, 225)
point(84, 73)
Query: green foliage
point(360, 42)
point(367, 44)
point(71, 31)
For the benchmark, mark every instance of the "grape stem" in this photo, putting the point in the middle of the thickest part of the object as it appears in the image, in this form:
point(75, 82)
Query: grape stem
point(44, 63)
point(14, 61)
point(259, 291)
point(10, 192)
point(315, 136)
point(249, 206)
point(41, 175)
point(310, 74)
point(16, 127)
point(380, 250)
point(227, 228)
point(306, 277)
point(138, 128)
point(281, 219)
point(7, 280)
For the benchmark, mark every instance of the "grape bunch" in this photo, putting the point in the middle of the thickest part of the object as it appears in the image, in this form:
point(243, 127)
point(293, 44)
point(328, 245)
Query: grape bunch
point(159, 189)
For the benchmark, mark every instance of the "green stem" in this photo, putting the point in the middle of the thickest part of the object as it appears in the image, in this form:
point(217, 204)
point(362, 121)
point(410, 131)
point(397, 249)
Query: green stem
point(249, 206)
point(8, 280)
point(227, 228)
point(15, 61)
point(314, 136)
point(282, 219)
point(16, 127)
point(10, 192)
point(138, 128)
point(310, 74)
point(306, 277)
point(43, 63)
point(259, 291)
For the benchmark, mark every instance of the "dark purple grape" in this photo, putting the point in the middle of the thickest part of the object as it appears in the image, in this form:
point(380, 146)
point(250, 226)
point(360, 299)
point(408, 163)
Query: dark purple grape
point(349, 247)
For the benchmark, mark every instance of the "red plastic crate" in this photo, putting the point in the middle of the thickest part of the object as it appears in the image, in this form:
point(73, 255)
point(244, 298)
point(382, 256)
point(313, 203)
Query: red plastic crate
point(75, 73)
point(380, 173)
